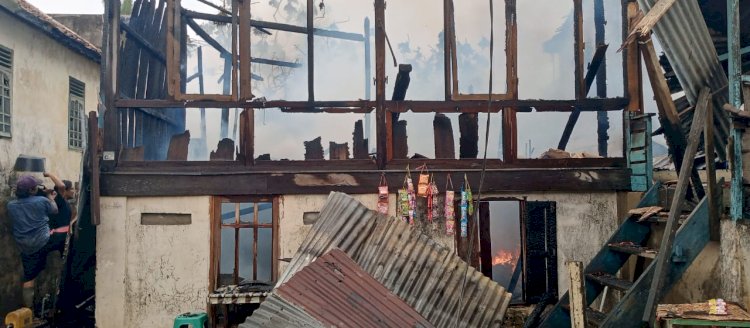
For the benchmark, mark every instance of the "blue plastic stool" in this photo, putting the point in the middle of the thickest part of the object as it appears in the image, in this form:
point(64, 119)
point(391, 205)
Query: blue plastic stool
point(191, 320)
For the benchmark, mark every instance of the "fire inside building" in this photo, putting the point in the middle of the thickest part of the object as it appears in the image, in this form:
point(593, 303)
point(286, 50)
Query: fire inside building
point(338, 163)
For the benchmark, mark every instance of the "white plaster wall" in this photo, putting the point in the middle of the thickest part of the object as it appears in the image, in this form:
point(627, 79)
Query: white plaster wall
point(735, 261)
point(292, 231)
point(39, 100)
point(148, 274)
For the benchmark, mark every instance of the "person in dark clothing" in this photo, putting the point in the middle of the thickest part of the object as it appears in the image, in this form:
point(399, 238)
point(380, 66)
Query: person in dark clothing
point(60, 222)
point(29, 215)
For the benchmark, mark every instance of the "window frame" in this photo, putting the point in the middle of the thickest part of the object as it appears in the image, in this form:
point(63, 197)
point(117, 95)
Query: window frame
point(217, 226)
point(9, 72)
point(73, 97)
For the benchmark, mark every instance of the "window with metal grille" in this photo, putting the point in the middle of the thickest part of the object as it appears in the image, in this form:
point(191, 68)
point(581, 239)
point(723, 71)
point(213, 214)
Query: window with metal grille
point(6, 90)
point(76, 103)
point(246, 244)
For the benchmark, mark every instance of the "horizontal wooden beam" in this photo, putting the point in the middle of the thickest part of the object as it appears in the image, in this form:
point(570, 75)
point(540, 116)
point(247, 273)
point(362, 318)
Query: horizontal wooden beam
point(194, 183)
point(417, 106)
point(277, 26)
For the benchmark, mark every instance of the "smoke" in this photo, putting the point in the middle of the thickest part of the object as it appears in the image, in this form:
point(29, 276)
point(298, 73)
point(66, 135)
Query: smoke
point(545, 70)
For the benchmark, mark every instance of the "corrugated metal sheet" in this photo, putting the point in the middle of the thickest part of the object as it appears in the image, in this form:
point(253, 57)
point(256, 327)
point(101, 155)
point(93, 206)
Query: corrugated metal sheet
point(337, 292)
point(424, 274)
point(683, 34)
point(277, 312)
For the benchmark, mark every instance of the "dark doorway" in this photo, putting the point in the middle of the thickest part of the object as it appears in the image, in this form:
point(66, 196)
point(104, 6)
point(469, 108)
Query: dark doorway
point(518, 247)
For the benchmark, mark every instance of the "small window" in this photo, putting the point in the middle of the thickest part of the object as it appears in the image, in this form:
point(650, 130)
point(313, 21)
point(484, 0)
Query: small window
point(75, 113)
point(246, 250)
point(6, 88)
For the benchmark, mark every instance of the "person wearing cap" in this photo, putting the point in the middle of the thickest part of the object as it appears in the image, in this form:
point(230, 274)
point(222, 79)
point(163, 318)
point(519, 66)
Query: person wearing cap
point(29, 215)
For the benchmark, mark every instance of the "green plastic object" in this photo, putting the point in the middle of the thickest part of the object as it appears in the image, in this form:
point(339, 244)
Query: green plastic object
point(191, 320)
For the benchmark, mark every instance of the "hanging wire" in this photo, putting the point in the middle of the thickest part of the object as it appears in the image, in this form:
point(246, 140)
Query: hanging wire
point(475, 216)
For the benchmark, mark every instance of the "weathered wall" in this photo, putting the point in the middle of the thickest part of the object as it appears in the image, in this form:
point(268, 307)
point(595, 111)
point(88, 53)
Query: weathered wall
point(148, 274)
point(735, 261)
point(88, 27)
point(39, 127)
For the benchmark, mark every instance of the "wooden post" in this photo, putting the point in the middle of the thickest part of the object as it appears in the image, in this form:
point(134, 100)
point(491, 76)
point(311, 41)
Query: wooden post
point(93, 128)
point(633, 73)
point(580, 85)
point(383, 120)
point(109, 83)
point(665, 248)
point(714, 226)
point(368, 80)
point(447, 35)
point(577, 294)
point(244, 51)
point(735, 77)
point(510, 124)
point(310, 51)
point(602, 118)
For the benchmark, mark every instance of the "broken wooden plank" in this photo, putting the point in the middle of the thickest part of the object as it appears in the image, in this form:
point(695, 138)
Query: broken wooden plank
point(577, 294)
point(359, 143)
point(178, 147)
point(443, 131)
point(665, 248)
point(313, 149)
point(644, 26)
point(645, 212)
point(337, 151)
point(468, 125)
point(224, 151)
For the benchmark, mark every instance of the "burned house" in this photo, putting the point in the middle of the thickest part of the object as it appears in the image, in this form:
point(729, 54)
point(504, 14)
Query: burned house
point(226, 125)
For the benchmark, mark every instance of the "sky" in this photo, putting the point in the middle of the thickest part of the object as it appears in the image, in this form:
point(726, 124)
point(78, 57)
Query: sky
point(545, 69)
point(69, 6)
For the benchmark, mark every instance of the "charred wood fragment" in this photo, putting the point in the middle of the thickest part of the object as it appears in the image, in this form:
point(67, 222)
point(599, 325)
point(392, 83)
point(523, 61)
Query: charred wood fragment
point(443, 129)
point(359, 143)
point(337, 151)
point(400, 145)
point(224, 151)
point(178, 147)
point(313, 149)
point(264, 157)
point(468, 125)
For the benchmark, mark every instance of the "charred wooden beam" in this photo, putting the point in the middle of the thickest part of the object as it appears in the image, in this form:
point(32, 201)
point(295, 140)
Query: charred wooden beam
point(337, 151)
point(599, 57)
point(247, 136)
point(580, 85)
point(310, 51)
point(178, 147)
point(443, 130)
point(400, 140)
point(383, 121)
point(602, 118)
point(668, 116)
point(224, 151)
point(190, 181)
point(359, 143)
point(468, 125)
point(417, 106)
point(277, 26)
point(313, 149)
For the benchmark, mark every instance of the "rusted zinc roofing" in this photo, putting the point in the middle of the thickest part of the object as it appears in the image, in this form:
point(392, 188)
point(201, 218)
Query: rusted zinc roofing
point(683, 34)
point(338, 293)
point(424, 274)
point(278, 312)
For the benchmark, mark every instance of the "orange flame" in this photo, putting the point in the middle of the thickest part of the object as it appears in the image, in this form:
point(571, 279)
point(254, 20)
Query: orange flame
point(504, 257)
